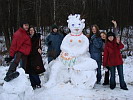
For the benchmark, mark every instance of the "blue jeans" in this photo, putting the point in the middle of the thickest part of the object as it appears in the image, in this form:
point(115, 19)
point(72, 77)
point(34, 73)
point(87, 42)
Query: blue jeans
point(18, 57)
point(99, 76)
point(35, 80)
point(121, 76)
point(50, 59)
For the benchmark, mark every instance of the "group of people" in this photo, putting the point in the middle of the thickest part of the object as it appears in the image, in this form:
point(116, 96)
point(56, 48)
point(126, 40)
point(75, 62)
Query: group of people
point(103, 48)
point(26, 50)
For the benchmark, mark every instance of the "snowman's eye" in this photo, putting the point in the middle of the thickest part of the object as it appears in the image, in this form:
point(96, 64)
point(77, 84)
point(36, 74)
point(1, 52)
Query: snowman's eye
point(72, 24)
point(79, 24)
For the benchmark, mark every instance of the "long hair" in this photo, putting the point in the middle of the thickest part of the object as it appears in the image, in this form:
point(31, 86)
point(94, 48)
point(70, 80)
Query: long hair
point(97, 31)
point(104, 34)
point(34, 30)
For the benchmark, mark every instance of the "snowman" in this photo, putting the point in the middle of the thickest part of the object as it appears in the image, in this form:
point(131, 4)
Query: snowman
point(74, 64)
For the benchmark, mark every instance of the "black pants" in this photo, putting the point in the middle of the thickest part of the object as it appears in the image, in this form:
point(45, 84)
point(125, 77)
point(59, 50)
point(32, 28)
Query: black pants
point(106, 78)
point(14, 64)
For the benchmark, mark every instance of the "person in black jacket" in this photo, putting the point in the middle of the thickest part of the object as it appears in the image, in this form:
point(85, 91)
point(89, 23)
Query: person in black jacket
point(106, 77)
point(35, 64)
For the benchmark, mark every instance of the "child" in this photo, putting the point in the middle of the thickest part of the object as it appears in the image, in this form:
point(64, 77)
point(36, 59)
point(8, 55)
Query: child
point(113, 59)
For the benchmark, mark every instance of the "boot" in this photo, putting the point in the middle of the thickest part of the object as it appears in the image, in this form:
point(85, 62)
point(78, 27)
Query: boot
point(12, 68)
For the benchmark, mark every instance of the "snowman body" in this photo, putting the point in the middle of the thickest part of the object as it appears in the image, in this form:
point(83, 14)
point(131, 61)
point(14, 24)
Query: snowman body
point(74, 64)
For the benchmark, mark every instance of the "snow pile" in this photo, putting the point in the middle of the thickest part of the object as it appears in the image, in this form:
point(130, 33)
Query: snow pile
point(17, 89)
point(64, 91)
point(2, 74)
point(128, 69)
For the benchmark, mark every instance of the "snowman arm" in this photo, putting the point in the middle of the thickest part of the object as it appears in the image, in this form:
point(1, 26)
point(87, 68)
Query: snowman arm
point(84, 48)
point(64, 46)
point(80, 51)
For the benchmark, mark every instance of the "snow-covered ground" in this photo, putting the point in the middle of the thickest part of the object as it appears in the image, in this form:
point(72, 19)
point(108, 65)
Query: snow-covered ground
point(67, 91)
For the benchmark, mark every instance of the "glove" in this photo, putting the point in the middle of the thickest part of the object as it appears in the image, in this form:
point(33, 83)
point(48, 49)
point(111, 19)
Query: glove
point(8, 59)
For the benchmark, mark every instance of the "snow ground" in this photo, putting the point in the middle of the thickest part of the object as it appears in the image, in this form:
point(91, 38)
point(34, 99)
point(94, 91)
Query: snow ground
point(69, 92)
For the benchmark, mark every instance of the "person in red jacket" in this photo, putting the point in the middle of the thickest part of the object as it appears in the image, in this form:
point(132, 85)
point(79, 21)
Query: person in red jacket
point(20, 48)
point(113, 59)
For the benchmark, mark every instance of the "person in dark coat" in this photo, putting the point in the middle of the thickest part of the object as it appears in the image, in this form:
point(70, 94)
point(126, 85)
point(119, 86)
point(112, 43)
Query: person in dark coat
point(106, 78)
point(53, 41)
point(20, 49)
point(95, 49)
point(113, 59)
point(34, 63)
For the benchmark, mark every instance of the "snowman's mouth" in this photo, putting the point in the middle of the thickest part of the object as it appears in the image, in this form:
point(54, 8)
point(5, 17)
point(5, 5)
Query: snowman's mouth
point(77, 29)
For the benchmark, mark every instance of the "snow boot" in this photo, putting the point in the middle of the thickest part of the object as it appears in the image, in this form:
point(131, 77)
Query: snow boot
point(11, 76)
point(125, 88)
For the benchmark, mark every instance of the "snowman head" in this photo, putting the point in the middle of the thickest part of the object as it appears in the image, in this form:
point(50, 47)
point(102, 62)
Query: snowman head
point(75, 24)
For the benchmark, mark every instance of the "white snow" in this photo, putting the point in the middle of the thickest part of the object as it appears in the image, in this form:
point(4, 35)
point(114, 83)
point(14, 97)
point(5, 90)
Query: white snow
point(69, 92)
point(17, 89)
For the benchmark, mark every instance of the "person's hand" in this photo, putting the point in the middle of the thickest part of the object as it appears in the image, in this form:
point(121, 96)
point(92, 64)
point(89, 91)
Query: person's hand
point(105, 69)
point(8, 59)
point(118, 40)
point(115, 23)
point(39, 50)
point(102, 53)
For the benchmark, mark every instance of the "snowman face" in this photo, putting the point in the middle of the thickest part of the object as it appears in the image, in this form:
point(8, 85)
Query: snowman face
point(76, 27)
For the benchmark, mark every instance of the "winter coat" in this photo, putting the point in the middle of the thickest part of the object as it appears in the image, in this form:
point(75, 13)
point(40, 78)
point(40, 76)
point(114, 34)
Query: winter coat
point(34, 60)
point(21, 43)
point(53, 41)
point(112, 55)
point(95, 48)
point(103, 45)
point(115, 30)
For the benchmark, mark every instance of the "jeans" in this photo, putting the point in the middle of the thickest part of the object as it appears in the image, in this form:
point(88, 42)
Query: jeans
point(121, 76)
point(14, 64)
point(21, 62)
point(35, 80)
point(50, 59)
point(99, 76)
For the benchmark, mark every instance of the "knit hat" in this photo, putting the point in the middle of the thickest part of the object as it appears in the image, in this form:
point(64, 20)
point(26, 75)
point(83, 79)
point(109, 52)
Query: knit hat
point(110, 34)
point(54, 26)
point(23, 22)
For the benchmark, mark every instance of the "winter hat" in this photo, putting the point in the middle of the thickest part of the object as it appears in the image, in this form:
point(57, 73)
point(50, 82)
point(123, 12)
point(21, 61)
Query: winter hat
point(23, 22)
point(110, 34)
point(54, 26)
